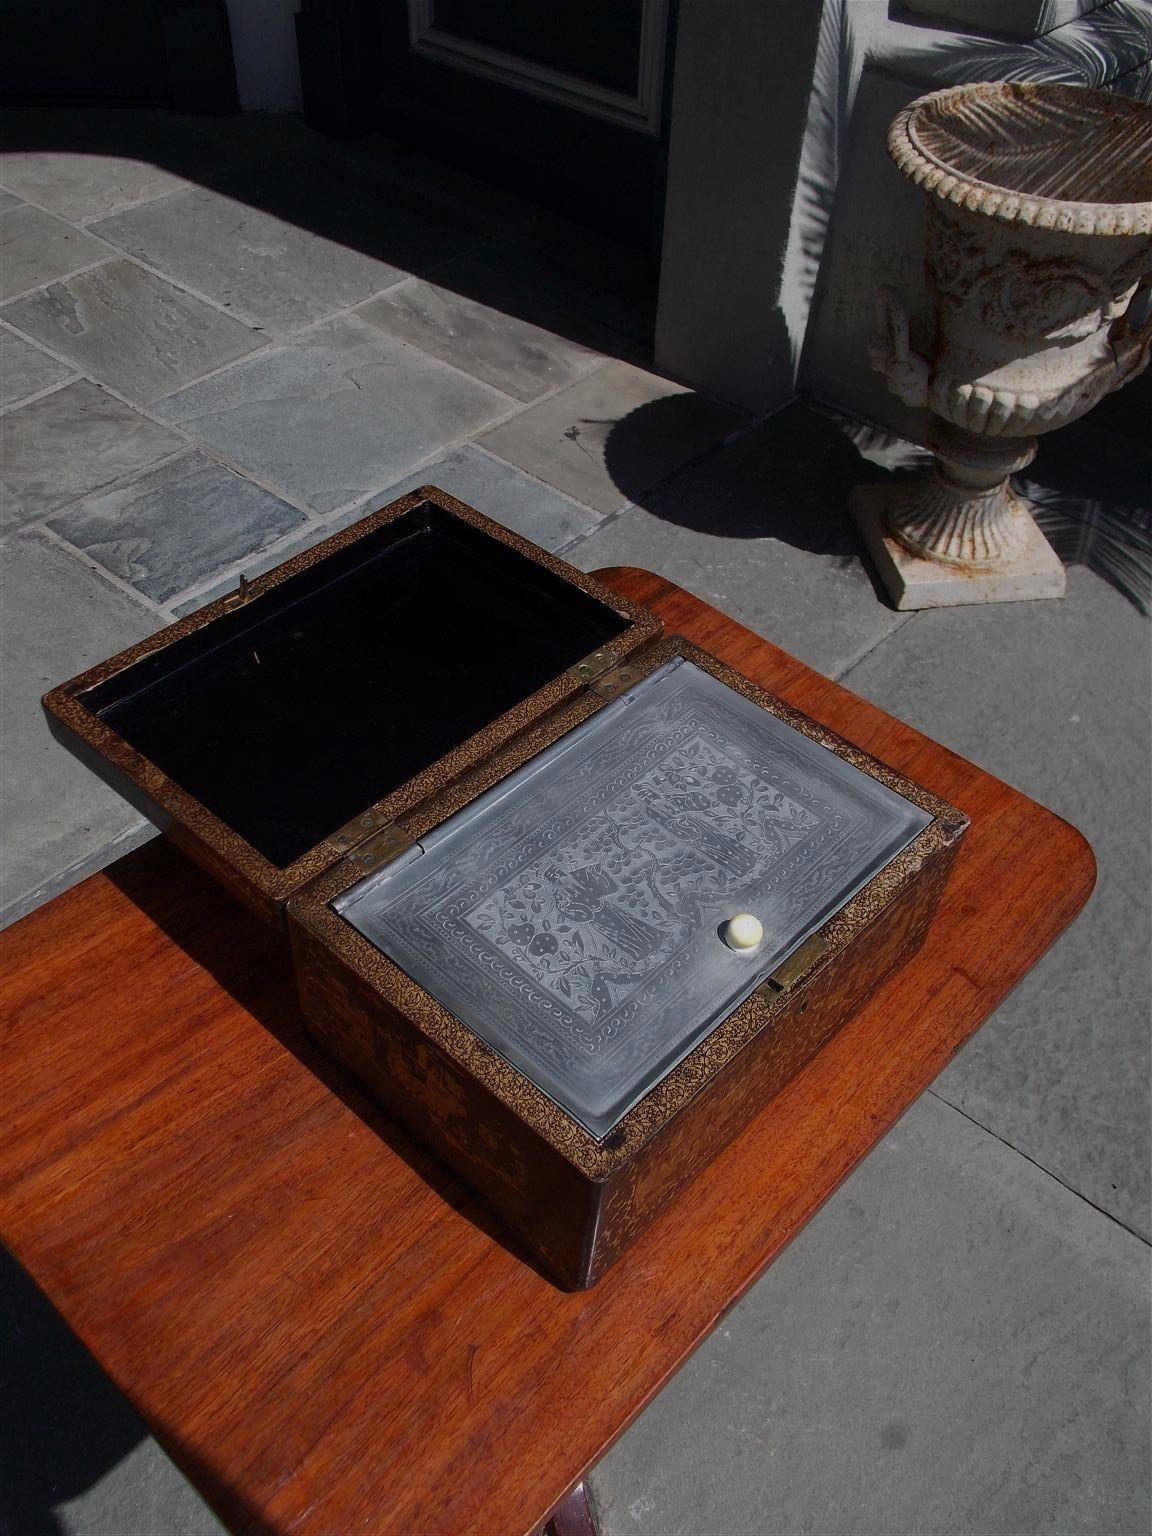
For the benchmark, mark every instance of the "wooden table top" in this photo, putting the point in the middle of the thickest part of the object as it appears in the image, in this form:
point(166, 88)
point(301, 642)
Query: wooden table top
point(326, 1332)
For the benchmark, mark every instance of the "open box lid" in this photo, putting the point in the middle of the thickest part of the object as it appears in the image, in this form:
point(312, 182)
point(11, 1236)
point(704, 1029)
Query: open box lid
point(272, 731)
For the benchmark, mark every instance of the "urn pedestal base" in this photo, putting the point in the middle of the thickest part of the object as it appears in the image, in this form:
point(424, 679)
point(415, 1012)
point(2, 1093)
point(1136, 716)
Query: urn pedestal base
point(1033, 570)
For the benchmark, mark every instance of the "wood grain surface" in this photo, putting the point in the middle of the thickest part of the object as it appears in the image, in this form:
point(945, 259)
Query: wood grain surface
point(324, 1330)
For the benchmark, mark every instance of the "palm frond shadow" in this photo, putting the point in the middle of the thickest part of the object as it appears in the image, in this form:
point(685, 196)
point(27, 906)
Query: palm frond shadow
point(1109, 47)
point(1115, 542)
point(834, 78)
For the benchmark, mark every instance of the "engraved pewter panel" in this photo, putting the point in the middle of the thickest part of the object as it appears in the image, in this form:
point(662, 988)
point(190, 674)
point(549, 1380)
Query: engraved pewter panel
point(575, 915)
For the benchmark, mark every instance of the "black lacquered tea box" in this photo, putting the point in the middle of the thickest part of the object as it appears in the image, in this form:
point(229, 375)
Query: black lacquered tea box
point(573, 898)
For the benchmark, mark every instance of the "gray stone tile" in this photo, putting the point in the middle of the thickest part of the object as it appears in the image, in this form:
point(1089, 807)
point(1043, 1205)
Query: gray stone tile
point(583, 273)
point(63, 445)
point(84, 162)
point(334, 415)
point(143, 1495)
point(8, 200)
point(257, 135)
point(60, 823)
point(271, 272)
point(262, 560)
point(955, 1345)
point(38, 248)
point(497, 278)
point(446, 183)
point(80, 186)
point(131, 329)
point(25, 370)
point(287, 241)
point(1054, 698)
point(760, 530)
point(519, 358)
point(608, 438)
point(321, 188)
point(93, 1471)
point(1091, 491)
point(177, 526)
point(504, 493)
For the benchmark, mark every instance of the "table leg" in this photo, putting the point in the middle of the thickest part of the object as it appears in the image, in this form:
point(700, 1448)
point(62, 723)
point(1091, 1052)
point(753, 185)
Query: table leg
point(572, 1516)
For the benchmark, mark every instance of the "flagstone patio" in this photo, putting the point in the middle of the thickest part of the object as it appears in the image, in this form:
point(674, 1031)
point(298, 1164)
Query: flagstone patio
point(223, 341)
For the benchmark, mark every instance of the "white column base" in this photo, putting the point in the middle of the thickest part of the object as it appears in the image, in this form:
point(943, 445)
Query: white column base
point(914, 582)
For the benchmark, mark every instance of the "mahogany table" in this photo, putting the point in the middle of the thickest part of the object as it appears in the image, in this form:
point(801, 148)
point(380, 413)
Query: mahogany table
point(324, 1330)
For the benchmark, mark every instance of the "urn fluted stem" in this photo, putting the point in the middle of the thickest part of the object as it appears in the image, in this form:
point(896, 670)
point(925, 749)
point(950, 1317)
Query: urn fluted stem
point(968, 513)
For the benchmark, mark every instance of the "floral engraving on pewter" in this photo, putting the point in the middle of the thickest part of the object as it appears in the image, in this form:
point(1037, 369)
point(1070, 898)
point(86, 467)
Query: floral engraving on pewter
point(571, 916)
point(595, 916)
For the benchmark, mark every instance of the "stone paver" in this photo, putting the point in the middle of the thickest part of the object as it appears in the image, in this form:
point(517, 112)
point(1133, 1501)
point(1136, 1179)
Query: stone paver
point(500, 490)
point(271, 272)
point(38, 248)
point(334, 415)
point(548, 302)
point(759, 528)
point(1053, 697)
point(345, 200)
point(60, 823)
point(607, 283)
point(504, 493)
point(956, 1344)
point(522, 359)
point(72, 1426)
point(609, 438)
point(25, 370)
point(75, 440)
point(1091, 489)
point(85, 162)
point(298, 237)
point(80, 186)
point(405, 167)
point(131, 330)
point(177, 526)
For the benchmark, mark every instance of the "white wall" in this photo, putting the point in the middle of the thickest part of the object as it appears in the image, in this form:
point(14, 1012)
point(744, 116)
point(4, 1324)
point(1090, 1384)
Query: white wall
point(264, 53)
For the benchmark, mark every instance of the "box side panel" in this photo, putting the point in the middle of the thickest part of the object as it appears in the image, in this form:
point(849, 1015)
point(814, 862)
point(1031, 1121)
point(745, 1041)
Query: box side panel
point(807, 1017)
point(548, 1203)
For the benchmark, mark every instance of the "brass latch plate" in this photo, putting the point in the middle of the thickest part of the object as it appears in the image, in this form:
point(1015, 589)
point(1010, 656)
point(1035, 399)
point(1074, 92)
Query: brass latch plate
point(798, 964)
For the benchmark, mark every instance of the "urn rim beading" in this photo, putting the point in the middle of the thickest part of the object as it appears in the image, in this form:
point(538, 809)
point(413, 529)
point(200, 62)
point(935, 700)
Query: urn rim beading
point(942, 140)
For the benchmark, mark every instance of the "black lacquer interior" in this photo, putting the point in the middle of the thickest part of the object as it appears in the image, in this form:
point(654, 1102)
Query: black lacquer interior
point(292, 714)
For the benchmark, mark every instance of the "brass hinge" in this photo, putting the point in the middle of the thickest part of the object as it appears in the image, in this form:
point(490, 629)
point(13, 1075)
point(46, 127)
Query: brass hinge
point(610, 684)
point(798, 964)
point(595, 665)
point(605, 674)
point(380, 849)
point(369, 840)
